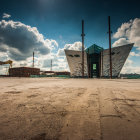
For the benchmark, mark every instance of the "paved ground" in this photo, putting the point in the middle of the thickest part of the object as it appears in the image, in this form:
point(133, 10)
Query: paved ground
point(69, 109)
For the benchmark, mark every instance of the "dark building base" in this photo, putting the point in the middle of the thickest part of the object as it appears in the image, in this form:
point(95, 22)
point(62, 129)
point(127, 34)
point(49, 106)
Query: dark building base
point(23, 71)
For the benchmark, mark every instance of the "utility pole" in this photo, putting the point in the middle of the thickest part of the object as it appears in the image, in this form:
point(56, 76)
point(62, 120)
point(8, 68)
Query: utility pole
point(83, 48)
point(51, 64)
point(110, 47)
point(102, 63)
point(33, 59)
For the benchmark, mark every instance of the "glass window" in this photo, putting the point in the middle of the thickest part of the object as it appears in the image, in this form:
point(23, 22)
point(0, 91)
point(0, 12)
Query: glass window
point(94, 66)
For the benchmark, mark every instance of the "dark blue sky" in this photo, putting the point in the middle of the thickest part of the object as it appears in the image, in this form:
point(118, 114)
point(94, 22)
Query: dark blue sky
point(61, 19)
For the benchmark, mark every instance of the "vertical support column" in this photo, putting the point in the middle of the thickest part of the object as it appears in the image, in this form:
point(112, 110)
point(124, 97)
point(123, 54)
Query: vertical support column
point(83, 48)
point(51, 64)
point(33, 59)
point(88, 63)
point(102, 65)
point(110, 47)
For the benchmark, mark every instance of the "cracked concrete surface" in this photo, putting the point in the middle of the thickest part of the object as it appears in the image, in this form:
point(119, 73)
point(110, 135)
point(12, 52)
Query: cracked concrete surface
point(69, 109)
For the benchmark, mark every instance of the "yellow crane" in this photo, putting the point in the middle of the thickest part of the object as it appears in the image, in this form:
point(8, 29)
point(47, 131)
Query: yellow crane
point(7, 62)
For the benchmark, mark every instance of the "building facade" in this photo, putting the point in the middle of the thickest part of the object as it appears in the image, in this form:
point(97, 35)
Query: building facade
point(97, 61)
point(74, 59)
point(23, 71)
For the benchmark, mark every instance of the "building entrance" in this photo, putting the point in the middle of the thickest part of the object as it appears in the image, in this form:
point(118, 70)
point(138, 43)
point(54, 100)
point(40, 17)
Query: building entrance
point(93, 60)
point(94, 74)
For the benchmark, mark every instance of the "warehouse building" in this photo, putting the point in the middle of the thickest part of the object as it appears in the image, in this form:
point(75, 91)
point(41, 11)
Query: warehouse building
point(97, 61)
point(23, 71)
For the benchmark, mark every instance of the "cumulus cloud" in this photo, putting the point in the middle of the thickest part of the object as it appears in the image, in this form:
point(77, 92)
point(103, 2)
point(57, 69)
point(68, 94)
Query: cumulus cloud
point(61, 52)
point(77, 46)
point(121, 41)
point(134, 54)
point(3, 56)
point(61, 58)
point(129, 32)
point(130, 69)
point(5, 15)
point(57, 64)
point(130, 65)
point(20, 40)
point(122, 31)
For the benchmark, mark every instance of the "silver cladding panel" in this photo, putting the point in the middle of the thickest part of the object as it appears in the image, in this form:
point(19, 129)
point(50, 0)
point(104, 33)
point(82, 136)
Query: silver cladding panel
point(75, 63)
point(119, 56)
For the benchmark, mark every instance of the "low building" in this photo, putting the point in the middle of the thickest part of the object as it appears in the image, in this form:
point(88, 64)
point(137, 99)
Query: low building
point(55, 73)
point(97, 61)
point(23, 71)
point(62, 73)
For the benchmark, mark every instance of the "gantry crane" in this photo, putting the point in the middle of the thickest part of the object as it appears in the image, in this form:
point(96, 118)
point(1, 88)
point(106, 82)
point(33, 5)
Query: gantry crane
point(7, 62)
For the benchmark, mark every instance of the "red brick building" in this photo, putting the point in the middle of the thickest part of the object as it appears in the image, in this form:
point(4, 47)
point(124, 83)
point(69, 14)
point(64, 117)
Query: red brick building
point(23, 71)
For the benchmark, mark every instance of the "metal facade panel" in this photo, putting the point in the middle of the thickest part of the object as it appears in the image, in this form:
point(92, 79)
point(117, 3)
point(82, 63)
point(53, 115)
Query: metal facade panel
point(119, 56)
point(74, 59)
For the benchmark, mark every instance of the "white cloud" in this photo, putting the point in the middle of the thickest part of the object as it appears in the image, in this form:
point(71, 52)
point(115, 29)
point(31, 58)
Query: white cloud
point(129, 32)
point(77, 46)
point(59, 60)
point(3, 56)
point(130, 69)
point(58, 63)
point(62, 62)
point(121, 41)
point(134, 54)
point(5, 15)
point(61, 52)
point(129, 66)
point(121, 32)
point(20, 40)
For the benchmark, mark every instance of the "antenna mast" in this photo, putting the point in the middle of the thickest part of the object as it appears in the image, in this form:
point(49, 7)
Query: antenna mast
point(110, 47)
point(51, 64)
point(83, 48)
point(33, 59)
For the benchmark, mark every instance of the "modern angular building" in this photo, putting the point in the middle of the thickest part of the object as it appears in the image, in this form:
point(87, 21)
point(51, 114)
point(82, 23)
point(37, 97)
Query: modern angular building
point(97, 62)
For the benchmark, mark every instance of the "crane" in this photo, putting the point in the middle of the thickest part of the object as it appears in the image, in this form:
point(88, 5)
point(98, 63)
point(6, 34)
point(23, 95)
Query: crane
point(7, 62)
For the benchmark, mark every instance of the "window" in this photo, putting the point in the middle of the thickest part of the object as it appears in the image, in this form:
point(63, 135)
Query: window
point(94, 66)
point(76, 55)
point(113, 53)
point(70, 55)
